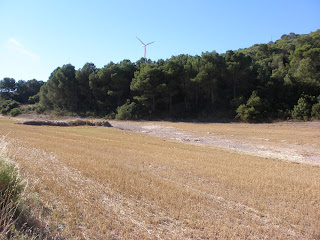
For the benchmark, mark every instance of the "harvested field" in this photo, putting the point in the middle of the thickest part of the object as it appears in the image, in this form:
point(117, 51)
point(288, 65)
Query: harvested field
point(107, 183)
point(290, 141)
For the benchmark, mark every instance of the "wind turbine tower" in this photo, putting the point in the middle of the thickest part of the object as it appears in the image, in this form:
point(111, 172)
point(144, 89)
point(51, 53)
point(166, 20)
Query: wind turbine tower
point(145, 48)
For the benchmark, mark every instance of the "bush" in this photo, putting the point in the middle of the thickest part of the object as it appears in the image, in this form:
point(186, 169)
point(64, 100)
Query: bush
point(11, 189)
point(301, 111)
point(34, 99)
point(39, 108)
point(315, 111)
point(111, 115)
point(253, 110)
point(7, 105)
point(15, 112)
point(127, 111)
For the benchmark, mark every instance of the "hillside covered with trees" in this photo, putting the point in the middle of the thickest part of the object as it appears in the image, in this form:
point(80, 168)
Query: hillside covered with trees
point(278, 80)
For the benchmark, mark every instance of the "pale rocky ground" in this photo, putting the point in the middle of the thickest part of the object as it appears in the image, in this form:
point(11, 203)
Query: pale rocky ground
point(261, 147)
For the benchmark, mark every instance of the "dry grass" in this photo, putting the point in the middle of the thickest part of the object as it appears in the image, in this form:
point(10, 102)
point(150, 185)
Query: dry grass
point(103, 183)
point(301, 133)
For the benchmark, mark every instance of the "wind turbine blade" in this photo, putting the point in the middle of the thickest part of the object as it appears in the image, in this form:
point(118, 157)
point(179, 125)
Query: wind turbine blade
point(141, 41)
point(149, 43)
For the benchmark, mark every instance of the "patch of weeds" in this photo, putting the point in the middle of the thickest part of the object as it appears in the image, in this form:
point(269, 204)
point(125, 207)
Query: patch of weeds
point(15, 112)
point(11, 190)
point(17, 219)
point(7, 105)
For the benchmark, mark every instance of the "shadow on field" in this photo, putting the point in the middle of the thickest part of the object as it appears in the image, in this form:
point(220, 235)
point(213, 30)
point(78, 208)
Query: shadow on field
point(68, 124)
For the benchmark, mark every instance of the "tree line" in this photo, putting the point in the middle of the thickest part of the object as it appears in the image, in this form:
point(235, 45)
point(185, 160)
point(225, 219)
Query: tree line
point(277, 80)
point(13, 93)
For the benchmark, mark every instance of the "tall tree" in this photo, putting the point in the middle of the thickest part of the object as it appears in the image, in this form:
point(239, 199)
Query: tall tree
point(209, 76)
point(86, 101)
point(100, 86)
point(173, 77)
point(26, 89)
point(120, 82)
point(63, 89)
point(7, 87)
point(148, 85)
point(240, 73)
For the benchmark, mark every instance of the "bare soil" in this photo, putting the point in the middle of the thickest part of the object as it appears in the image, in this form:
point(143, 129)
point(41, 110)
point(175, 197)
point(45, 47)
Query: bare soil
point(261, 147)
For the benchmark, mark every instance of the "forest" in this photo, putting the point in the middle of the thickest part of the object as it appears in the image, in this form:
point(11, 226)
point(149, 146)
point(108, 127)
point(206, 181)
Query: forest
point(265, 82)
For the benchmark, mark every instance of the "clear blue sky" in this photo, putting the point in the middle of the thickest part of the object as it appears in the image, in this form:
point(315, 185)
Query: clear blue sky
point(39, 35)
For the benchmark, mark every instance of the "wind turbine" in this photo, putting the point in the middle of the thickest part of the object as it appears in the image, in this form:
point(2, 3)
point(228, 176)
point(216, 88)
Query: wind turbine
point(145, 48)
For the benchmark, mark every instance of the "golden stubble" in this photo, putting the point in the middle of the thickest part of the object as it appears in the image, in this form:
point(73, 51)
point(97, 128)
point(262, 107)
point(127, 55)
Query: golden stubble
point(102, 182)
point(300, 133)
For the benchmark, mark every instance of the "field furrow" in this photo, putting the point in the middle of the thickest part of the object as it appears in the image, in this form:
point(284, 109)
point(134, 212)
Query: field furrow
point(106, 183)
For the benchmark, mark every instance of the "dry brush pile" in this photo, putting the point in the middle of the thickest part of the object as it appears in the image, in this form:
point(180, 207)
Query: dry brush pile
point(98, 183)
point(68, 123)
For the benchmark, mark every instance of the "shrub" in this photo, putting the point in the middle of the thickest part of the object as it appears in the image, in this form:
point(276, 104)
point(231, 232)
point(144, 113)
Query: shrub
point(7, 105)
point(11, 189)
point(301, 111)
point(111, 115)
point(315, 111)
point(253, 110)
point(15, 112)
point(34, 99)
point(39, 108)
point(127, 111)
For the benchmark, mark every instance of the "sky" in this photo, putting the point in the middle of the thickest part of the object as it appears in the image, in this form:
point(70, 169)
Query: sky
point(37, 36)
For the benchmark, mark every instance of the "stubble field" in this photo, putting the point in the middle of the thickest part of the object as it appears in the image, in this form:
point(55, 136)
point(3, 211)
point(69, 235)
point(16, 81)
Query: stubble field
point(107, 183)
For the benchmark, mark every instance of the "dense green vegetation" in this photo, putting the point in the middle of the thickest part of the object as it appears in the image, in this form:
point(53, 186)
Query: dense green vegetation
point(278, 80)
point(13, 94)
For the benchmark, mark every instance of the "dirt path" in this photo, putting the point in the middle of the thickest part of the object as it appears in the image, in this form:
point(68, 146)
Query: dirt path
point(261, 147)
